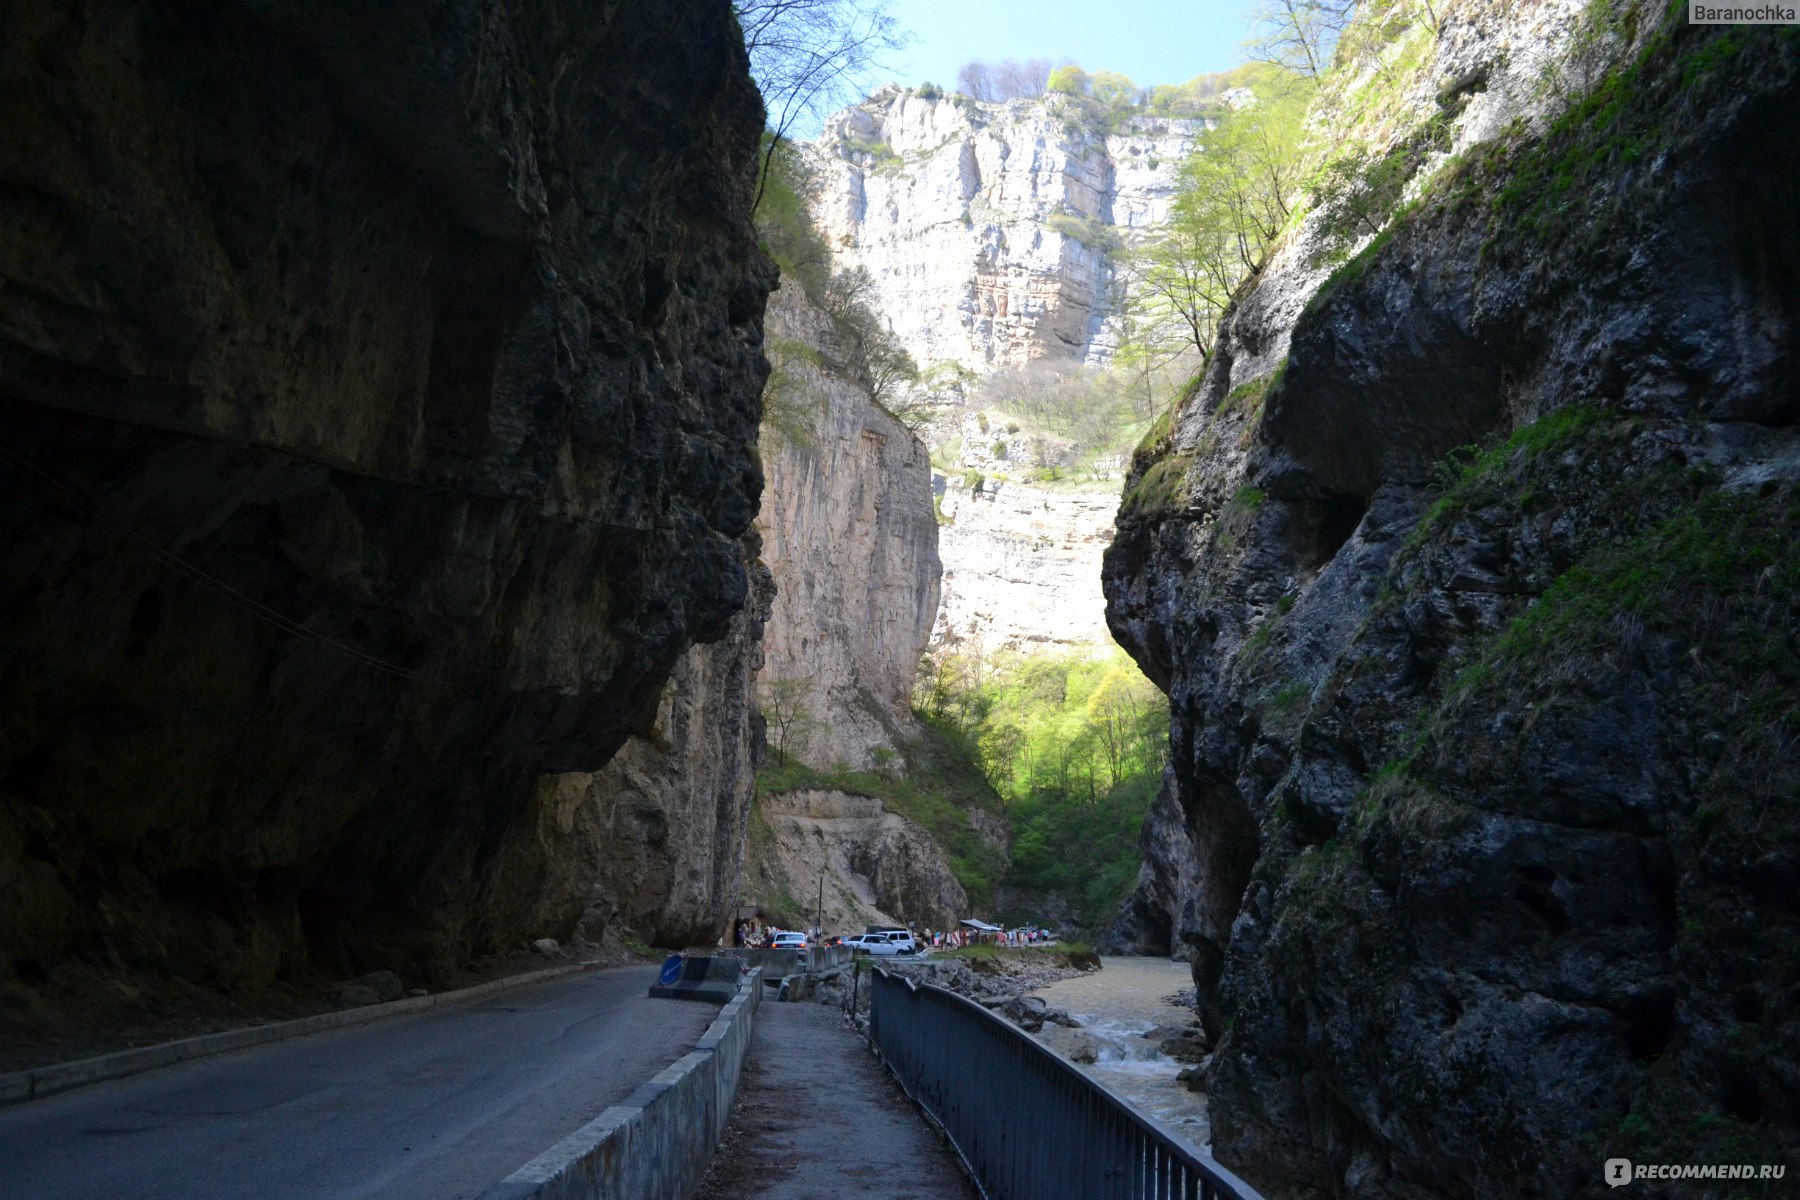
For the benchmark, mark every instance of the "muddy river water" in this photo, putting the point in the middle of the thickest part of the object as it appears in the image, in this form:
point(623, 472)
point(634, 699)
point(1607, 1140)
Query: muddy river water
point(1116, 1006)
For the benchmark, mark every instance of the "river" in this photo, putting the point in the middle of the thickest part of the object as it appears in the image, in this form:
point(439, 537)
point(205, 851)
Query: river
point(1116, 1006)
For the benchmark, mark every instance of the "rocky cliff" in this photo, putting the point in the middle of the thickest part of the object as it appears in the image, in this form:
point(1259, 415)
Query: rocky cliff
point(987, 229)
point(863, 864)
point(653, 842)
point(850, 539)
point(1468, 569)
point(990, 234)
point(1022, 564)
point(381, 395)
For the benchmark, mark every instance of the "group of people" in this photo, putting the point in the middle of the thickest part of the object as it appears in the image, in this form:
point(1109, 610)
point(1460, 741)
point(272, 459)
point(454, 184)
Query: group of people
point(752, 934)
point(755, 935)
point(1024, 936)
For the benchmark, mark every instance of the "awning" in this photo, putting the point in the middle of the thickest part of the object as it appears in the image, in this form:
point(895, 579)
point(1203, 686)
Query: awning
point(972, 923)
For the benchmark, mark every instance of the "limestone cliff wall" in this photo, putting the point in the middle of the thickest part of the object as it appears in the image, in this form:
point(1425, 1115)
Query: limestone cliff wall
point(850, 538)
point(875, 866)
point(970, 219)
point(1472, 826)
point(653, 842)
point(1022, 564)
point(380, 387)
point(960, 211)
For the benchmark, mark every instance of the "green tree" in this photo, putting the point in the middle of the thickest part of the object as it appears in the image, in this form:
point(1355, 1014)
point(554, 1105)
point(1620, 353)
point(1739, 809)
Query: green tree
point(808, 55)
point(1112, 88)
point(1076, 747)
point(1297, 35)
point(1236, 193)
point(1069, 80)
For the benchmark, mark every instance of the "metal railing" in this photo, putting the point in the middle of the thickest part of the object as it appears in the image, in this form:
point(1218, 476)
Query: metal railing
point(1028, 1125)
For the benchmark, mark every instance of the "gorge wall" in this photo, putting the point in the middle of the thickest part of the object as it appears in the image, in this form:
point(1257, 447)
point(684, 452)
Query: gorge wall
point(851, 541)
point(852, 546)
point(380, 389)
point(1468, 569)
point(989, 233)
point(653, 842)
point(1022, 564)
point(986, 228)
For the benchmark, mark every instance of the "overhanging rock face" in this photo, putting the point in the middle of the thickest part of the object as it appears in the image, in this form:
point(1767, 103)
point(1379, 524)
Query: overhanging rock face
point(380, 387)
point(1476, 808)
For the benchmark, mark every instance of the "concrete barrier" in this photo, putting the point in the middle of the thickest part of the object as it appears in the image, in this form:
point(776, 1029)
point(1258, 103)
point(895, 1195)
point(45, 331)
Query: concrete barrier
point(777, 964)
point(37, 1082)
point(659, 1142)
point(702, 977)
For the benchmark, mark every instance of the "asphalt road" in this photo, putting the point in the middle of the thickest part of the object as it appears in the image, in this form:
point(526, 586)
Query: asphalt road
point(436, 1106)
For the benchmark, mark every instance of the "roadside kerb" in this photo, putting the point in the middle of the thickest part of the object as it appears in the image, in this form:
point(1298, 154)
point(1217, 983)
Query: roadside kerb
point(37, 1082)
point(658, 1143)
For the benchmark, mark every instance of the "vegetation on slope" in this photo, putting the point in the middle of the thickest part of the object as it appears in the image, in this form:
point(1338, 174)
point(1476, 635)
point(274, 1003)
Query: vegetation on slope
point(1074, 747)
point(934, 781)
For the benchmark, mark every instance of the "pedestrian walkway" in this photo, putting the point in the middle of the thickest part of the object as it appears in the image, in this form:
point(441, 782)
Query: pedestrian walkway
point(818, 1117)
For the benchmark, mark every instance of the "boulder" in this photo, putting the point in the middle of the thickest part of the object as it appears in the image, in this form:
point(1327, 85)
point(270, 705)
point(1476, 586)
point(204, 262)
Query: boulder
point(1081, 1048)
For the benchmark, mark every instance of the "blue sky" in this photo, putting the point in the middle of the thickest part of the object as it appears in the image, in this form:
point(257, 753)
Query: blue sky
point(1153, 41)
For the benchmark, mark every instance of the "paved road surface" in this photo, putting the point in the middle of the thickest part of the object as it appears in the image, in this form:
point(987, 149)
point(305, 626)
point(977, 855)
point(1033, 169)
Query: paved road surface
point(435, 1106)
point(819, 1118)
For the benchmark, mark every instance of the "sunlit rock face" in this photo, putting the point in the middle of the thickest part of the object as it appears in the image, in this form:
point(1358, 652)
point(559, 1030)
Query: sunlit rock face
point(964, 214)
point(1475, 816)
point(848, 858)
point(380, 387)
point(1022, 565)
point(970, 219)
point(850, 538)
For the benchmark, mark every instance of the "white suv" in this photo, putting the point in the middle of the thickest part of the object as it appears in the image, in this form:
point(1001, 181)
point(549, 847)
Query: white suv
point(871, 943)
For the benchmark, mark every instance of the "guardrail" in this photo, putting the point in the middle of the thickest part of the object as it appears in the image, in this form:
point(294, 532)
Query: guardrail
point(1026, 1122)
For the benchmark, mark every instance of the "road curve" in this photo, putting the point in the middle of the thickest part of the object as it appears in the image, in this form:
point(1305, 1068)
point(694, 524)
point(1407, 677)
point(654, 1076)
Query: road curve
point(437, 1106)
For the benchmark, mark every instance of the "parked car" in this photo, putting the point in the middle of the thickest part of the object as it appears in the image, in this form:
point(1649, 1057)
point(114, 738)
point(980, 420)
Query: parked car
point(902, 938)
point(871, 943)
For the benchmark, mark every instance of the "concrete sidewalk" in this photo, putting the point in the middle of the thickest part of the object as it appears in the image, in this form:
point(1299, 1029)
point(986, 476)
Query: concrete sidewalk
point(818, 1117)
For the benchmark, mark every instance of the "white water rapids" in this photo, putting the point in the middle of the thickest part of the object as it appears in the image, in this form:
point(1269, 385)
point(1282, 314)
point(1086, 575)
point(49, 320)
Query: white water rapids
point(1116, 1006)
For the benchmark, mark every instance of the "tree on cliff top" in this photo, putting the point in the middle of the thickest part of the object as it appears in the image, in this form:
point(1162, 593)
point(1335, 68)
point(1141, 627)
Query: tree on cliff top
point(1001, 81)
point(809, 55)
point(1298, 35)
point(1236, 192)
